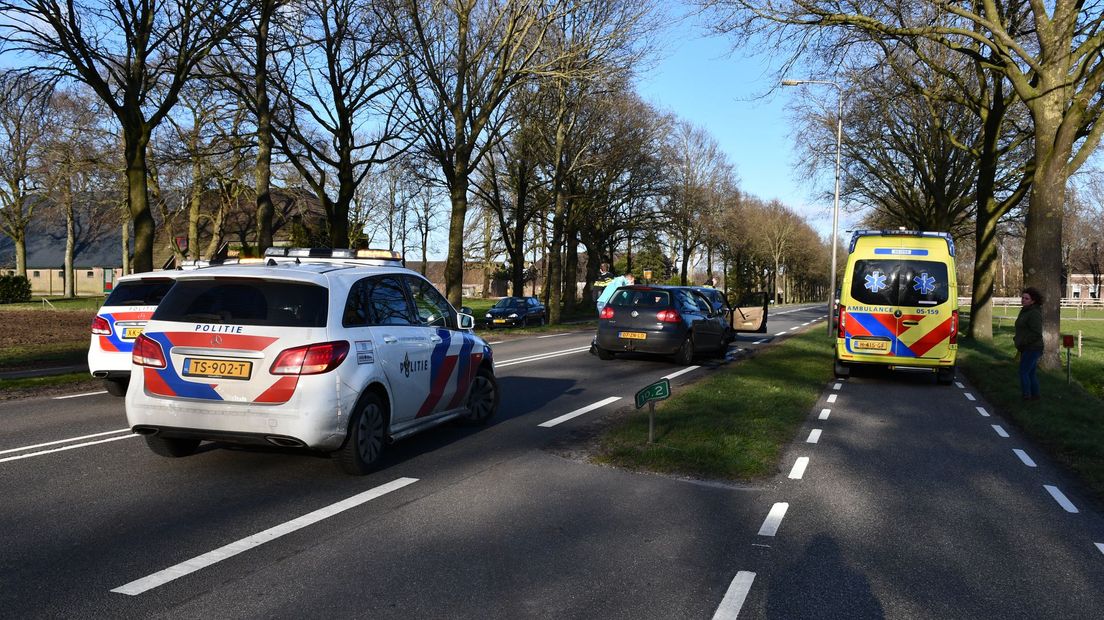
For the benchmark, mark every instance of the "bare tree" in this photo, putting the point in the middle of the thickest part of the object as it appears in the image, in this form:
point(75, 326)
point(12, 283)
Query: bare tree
point(24, 126)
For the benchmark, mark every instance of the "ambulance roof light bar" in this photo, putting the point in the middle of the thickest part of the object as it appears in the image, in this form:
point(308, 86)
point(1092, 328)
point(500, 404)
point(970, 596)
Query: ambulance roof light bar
point(902, 233)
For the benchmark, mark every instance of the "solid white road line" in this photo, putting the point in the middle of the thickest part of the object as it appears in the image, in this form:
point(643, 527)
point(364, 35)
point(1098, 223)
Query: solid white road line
point(774, 519)
point(960, 386)
point(799, 468)
point(54, 443)
point(553, 335)
point(824, 414)
point(1060, 498)
point(969, 396)
point(63, 448)
point(1024, 457)
point(734, 598)
point(983, 412)
point(837, 386)
point(578, 412)
point(159, 578)
point(1000, 430)
point(542, 356)
point(814, 436)
point(80, 395)
point(780, 334)
point(496, 342)
point(681, 372)
point(760, 341)
point(832, 398)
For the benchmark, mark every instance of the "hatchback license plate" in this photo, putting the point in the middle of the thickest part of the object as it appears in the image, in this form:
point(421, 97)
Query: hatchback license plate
point(870, 345)
point(130, 333)
point(499, 320)
point(633, 335)
point(217, 369)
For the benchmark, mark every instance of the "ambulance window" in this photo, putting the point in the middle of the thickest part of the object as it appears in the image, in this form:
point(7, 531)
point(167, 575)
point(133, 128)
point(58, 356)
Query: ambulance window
point(874, 282)
point(922, 283)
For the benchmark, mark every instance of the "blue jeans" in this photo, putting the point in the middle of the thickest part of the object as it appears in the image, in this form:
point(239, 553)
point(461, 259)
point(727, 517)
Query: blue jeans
point(1029, 379)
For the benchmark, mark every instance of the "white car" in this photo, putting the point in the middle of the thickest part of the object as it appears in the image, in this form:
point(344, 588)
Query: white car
point(338, 355)
point(118, 323)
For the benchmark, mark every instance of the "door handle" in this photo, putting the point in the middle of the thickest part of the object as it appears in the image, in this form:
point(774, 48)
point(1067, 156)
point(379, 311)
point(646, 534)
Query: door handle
point(435, 339)
point(390, 339)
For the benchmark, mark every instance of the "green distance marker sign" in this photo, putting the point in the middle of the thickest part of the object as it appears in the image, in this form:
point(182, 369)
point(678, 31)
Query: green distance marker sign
point(660, 390)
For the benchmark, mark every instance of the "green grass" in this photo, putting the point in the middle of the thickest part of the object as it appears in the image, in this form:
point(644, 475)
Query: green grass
point(732, 425)
point(33, 383)
point(43, 355)
point(1069, 420)
point(58, 303)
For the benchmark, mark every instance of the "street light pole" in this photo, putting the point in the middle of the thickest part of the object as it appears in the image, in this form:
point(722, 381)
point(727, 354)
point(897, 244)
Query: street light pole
point(835, 206)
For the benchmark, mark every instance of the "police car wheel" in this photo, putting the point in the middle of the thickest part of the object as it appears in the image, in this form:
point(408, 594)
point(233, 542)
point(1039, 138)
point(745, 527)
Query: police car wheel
point(171, 447)
point(685, 354)
point(116, 387)
point(365, 441)
point(482, 398)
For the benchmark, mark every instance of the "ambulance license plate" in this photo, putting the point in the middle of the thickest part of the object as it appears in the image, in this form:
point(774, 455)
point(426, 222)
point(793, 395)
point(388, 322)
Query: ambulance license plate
point(217, 369)
point(870, 345)
point(130, 333)
point(633, 335)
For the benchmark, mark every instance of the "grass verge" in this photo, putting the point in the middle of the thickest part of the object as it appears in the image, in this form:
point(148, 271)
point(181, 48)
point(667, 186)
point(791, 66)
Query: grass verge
point(732, 425)
point(48, 386)
point(1068, 421)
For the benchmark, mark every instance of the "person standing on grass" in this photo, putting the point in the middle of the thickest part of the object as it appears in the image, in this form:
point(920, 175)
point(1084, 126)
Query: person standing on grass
point(1029, 341)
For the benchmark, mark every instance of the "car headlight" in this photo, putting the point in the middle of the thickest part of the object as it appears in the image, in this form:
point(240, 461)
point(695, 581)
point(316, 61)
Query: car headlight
point(513, 315)
point(488, 315)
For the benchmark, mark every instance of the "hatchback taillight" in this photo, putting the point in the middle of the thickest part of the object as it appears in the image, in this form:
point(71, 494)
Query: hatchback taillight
point(100, 326)
point(147, 352)
point(310, 359)
point(669, 316)
point(954, 327)
point(607, 313)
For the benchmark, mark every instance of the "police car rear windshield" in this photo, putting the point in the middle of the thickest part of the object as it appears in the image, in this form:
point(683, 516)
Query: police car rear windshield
point(636, 298)
point(899, 282)
point(144, 292)
point(245, 301)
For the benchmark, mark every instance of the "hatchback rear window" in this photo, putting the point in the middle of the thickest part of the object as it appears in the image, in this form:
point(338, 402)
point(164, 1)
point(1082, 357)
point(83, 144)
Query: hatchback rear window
point(899, 282)
point(144, 292)
point(637, 298)
point(245, 301)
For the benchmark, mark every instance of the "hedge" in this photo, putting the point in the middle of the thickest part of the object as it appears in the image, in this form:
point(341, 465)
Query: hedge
point(14, 289)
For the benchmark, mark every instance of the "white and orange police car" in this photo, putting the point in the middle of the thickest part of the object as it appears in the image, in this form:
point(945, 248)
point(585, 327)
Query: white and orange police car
point(334, 351)
point(118, 323)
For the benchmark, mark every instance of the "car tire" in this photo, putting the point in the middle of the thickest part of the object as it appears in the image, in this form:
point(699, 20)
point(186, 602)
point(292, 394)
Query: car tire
point(365, 440)
point(685, 354)
point(603, 354)
point(542, 322)
point(483, 398)
point(172, 447)
point(116, 387)
point(840, 370)
point(945, 376)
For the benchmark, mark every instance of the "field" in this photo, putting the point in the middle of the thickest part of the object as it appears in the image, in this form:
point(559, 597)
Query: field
point(36, 335)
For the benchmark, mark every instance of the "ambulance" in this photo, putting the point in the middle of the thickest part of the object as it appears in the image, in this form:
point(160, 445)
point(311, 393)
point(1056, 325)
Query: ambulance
point(899, 303)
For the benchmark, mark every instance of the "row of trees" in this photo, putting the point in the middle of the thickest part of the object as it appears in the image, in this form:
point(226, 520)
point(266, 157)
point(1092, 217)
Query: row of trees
point(377, 112)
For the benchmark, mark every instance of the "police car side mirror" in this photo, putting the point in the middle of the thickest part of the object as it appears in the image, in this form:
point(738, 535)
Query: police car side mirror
point(466, 321)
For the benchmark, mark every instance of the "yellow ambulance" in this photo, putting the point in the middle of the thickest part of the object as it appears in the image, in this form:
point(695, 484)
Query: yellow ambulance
point(899, 303)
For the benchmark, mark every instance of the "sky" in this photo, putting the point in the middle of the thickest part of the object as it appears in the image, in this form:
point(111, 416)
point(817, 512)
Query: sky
point(700, 79)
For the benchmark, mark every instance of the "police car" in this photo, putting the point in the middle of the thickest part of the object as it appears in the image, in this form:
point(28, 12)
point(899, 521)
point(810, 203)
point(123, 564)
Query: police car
point(335, 351)
point(118, 323)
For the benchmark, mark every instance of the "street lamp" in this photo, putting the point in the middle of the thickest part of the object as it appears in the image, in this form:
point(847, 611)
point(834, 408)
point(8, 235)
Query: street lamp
point(835, 207)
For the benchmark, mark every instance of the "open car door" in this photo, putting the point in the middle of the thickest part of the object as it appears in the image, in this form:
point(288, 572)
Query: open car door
point(749, 312)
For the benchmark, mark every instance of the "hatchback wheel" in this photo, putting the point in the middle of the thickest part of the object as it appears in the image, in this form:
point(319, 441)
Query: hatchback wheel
point(685, 354)
point(482, 398)
point(364, 444)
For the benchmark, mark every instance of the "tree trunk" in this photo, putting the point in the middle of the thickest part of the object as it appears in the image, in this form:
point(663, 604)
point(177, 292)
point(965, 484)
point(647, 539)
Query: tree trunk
point(571, 270)
point(134, 149)
point(195, 201)
point(554, 281)
point(454, 265)
point(20, 240)
point(126, 246)
point(262, 169)
point(70, 237)
point(488, 266)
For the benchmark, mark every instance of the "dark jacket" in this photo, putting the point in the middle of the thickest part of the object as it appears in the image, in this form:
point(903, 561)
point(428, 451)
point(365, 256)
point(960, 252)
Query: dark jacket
point(1029, 329)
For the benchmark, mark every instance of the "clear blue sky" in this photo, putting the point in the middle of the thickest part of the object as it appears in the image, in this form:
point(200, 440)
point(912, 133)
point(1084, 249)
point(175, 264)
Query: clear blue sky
point(698, 78)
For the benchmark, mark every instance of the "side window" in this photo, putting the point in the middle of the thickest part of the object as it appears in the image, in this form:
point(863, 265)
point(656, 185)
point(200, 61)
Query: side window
point(686, 302)
point(431, 306)
point(703, 306)
point(378, 300)
point(532, 302)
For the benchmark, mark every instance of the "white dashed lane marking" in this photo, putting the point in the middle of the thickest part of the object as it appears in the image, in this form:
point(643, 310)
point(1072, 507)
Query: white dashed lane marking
point(814, 436)
point(983, 412)
point(959, 385)
point(760, 342)
point(837, 386)
point(832, 398)
point(969, 396)
point(1024, 457)
point(799, 468)
point(1062, 500)
point(774, 519)
point(734, 598)
point(824, 414)
point(681, 372)
point(578, 412)
point(1000, 430)
point(1100, 546)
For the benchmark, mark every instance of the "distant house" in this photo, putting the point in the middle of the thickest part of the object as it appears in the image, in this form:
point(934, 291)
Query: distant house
point(97, 261)
point(1082, 286)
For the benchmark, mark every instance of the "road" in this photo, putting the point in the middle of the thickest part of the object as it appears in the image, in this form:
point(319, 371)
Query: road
point(908, 506)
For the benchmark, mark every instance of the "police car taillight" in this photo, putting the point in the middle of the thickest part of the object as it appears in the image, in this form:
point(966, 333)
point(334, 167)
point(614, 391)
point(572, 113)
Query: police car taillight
point(311, 359)
point(100, 326)
point(954, 327)
point(147, 352)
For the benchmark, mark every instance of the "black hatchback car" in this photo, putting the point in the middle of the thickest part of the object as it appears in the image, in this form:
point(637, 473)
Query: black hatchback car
point(666, 320)
point(513, 311)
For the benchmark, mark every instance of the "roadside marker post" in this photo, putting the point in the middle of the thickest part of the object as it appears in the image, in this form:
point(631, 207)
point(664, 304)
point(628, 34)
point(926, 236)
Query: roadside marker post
point(1067, 342)
point(660, 390)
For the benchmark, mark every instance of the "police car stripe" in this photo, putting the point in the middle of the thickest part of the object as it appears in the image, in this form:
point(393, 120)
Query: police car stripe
point(440, 369)
point(171, 383)
point(464, 372)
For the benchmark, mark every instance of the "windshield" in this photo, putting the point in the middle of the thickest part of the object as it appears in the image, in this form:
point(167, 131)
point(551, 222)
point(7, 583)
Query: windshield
point(145, 292)
point(245, 301)
point(638, 298)
point(899, 282)
point(510, 302)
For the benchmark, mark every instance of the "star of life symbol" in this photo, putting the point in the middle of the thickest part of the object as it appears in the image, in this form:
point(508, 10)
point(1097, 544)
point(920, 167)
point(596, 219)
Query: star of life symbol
point(924, 283)
point(876, 281)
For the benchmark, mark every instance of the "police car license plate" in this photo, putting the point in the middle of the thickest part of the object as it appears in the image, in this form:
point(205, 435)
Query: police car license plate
point(130, 333)
point(216, 369)
point(870, 345)
point(633, 335)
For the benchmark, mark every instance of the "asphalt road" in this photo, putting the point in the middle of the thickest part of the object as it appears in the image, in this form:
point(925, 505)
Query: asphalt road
point(910, 505)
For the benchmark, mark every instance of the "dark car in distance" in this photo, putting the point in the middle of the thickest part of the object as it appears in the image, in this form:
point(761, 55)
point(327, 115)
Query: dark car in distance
point(665, 320)
point(514, 311)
